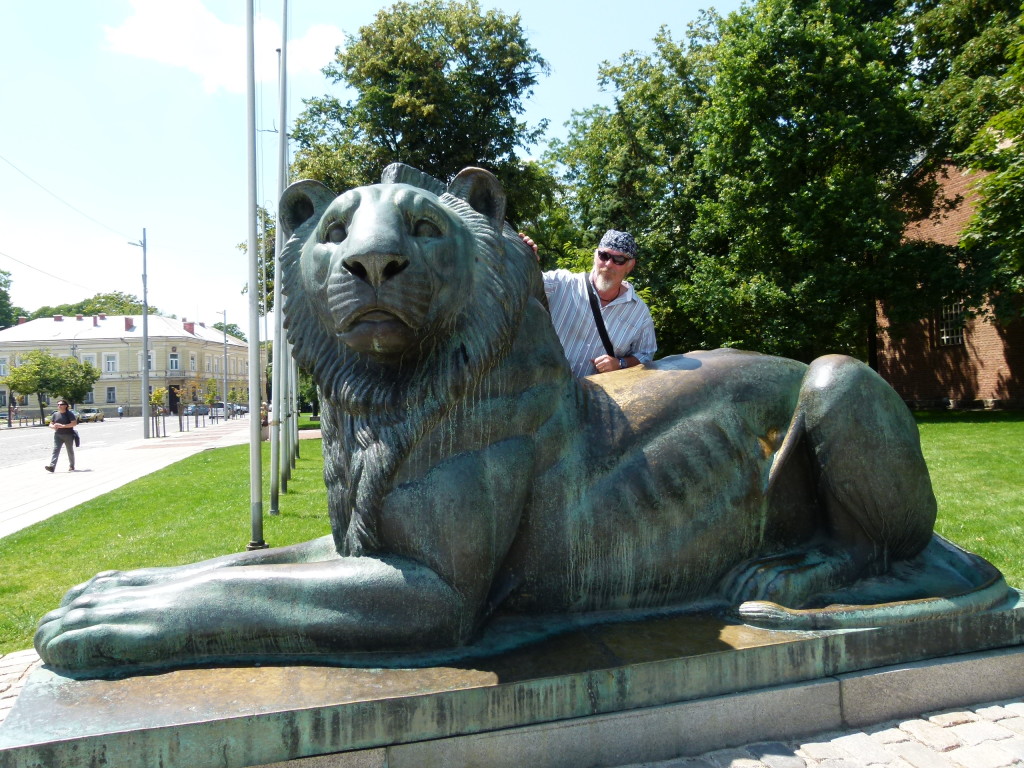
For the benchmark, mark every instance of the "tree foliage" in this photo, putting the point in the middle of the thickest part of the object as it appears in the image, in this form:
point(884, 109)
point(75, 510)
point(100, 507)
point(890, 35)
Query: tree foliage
point(996, 232)
point(113, 303)
point(7, 310)
point(265, 249)
point(42, 373)
point(961, 50)
point(438, 85)
point(809, 136)
point(632, 167)
point(763, 163)
point(232, 330)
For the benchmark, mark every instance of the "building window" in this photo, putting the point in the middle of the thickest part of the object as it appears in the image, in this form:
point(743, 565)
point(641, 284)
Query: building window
point(172, 362)
point(110, 363)
point(3, 398)
point(3, 366)
point(88, 398)
point(90, 359)
point(951, 324)
point(111, 394)
point(208, 364)
point(192, 361)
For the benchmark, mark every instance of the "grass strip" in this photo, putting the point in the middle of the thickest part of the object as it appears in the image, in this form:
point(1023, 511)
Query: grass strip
point(194, 509)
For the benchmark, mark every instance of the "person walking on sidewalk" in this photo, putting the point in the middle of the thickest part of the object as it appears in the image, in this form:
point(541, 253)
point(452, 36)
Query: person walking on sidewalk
point(63, 424)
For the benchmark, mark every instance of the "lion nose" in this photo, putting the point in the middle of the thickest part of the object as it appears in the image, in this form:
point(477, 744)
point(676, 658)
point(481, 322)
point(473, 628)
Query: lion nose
point(375, 268)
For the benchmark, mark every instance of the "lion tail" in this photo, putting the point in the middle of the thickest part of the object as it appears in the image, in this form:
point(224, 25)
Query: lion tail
point(994, 593)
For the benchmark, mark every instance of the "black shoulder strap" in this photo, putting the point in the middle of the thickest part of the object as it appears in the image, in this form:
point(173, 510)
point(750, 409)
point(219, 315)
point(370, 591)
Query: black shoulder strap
point(596, 309)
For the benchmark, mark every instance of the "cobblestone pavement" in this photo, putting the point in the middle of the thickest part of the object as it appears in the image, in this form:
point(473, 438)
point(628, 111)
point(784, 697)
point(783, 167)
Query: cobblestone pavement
point(989, 735)
point(14, 671)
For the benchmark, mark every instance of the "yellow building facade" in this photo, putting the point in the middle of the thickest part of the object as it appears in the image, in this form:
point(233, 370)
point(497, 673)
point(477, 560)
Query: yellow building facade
point(186, 357)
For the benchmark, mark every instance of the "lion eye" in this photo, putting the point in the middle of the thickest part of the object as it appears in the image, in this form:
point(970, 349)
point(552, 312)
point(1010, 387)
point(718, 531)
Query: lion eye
point(425, 228)
point(337, 233)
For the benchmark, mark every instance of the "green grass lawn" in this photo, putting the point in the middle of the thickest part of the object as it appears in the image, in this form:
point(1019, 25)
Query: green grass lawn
point(978, 475)
point(199, 508)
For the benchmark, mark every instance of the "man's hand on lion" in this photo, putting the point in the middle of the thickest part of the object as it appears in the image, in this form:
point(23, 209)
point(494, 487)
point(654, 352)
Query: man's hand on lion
point(529, 241)
point(606, 363)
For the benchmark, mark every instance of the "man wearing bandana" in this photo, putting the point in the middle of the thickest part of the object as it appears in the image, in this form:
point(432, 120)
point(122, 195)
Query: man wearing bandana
point(626, 317)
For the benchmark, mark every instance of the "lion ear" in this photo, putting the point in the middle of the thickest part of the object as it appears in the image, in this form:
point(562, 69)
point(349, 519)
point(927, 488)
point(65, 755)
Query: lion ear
point(302, 201)
point(484, 193)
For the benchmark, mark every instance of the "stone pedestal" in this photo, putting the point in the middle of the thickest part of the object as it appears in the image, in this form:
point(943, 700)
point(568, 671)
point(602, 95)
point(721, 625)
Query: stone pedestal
point(605, 695)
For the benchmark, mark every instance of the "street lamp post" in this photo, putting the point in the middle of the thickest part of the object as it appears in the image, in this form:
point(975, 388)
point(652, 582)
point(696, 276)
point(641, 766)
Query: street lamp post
point(145, 340)
point(225, 329)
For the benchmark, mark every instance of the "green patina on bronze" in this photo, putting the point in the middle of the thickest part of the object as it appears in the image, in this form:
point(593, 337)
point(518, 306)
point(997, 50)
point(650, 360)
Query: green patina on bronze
point(470, 475)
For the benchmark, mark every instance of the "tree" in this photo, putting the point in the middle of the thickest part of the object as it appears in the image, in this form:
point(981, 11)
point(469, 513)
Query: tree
point(440, 86)
point(633, 167)
point(995, 232)
point(809, 137)
point(76, 379)
point(265, 249)
point(42, 373)
point(232, 330)
point(211, 392)
point(7, 312)
point(114, 303)
point(34, 374)
point(961, 50)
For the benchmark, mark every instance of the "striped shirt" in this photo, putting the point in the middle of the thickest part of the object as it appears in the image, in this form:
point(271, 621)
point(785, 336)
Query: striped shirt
point(627, 320)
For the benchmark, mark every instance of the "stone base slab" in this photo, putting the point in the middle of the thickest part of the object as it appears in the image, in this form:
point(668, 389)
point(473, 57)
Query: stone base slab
point(604, 695)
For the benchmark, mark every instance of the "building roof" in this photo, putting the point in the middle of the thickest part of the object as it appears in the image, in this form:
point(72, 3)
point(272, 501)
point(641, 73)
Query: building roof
point(103, 327)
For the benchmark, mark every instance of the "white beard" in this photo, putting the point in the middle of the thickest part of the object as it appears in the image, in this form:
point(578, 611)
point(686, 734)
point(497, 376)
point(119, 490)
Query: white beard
point(604, 283)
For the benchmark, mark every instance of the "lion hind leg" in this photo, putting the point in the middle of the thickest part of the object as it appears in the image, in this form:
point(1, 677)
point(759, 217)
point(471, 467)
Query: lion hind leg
point(873, 485)
point(771, 615)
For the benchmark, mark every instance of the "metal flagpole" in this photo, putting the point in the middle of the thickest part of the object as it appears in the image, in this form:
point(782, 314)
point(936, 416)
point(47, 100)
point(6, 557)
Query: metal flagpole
point(145, 340)
point(280, 345)
point(255, 377)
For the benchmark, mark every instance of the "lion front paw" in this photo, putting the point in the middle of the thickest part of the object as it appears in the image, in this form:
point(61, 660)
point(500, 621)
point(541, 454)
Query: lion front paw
point(104, 630)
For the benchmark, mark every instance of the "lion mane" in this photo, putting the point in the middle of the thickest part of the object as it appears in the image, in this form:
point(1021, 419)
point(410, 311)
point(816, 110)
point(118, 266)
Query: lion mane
point(373, 411)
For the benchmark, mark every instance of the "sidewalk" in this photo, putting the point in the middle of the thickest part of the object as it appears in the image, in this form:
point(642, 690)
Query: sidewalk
point(30, 494)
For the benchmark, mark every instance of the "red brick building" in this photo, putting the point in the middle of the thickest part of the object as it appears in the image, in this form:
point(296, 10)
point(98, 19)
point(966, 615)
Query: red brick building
point(946, 360)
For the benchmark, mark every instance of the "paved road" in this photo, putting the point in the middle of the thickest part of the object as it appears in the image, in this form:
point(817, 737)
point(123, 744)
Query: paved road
point(19, 444)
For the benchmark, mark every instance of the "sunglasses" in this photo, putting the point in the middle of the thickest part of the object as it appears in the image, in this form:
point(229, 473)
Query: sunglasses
point(620, 260)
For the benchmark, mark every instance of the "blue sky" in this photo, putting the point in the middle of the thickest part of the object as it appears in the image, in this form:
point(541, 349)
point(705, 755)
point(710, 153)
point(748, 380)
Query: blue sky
point(124, 114)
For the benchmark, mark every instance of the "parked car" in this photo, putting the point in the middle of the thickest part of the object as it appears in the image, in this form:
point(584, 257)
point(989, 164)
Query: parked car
point(196, 410)
point(217, 410)
point(90, 414)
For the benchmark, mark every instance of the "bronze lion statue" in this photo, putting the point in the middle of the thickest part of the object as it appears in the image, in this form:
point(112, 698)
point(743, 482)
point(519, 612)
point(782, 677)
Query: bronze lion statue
point(470, 474)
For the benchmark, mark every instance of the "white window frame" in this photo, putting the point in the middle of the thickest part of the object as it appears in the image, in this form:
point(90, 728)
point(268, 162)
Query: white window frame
point(110, 362)
point(951, 325)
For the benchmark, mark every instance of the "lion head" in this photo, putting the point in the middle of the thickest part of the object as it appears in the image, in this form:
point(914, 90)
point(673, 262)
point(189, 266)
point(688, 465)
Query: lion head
point(399, 298)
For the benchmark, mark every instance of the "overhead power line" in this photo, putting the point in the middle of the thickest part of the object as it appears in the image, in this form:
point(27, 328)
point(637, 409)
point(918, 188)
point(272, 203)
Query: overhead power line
point(62, 200)
point(44, 272)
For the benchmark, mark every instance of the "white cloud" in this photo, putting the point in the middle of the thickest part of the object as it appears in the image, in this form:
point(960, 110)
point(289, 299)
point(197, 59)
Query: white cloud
point(314, 50)
point(187, 35)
